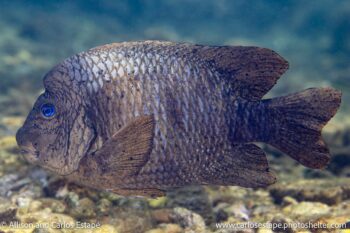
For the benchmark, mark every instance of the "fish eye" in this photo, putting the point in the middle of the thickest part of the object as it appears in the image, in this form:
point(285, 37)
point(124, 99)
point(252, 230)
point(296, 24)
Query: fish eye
point(48, 110)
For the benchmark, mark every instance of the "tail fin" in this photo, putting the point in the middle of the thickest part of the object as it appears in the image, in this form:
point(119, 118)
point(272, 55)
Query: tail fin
point(297, 121)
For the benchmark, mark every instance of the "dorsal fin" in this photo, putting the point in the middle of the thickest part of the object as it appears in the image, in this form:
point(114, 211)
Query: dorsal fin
point(252, 71)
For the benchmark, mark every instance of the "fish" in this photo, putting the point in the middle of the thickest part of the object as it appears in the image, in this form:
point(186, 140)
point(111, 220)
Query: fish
point(141, 118)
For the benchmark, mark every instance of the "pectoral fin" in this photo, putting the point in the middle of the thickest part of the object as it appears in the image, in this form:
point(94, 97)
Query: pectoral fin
point(128, 150)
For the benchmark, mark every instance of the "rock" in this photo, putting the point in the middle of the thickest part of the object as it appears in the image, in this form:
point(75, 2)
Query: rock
point(220, 213)
point(285, 223)
point(84, 209)
point(11, 183)
point(112, 197)
point(167, 228)
point(264, 230)
point(7, 229)
point(34, 206)
point(287, 200)
point(56, 206)
point(105, 229)
point(157, 202)
point(46, 216)
point(307, 210)
point(171, 228)
point(6, 183)
point(57, 188)
point(228, 194)
point(133, 224)
point(8, 142)
point(23, 203)
point(231, 230)
point(17, 179)
point(188, 219)
point(194, 198)
point(71, 192)
point(40, 176)
point(71, 198)
point(338, 222)
point(238, 211)
point(103, 206)
point(328, 191)
point(162, 215)
point(264, 213)
point(135, 203)
point(129, 219)
point(7, 211)
point(46, 230)
point(155, 230)
point(341, 209)
point(234, 194)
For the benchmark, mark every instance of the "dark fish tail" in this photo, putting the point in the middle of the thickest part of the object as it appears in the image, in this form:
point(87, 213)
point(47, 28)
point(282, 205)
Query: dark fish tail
point(291, 123)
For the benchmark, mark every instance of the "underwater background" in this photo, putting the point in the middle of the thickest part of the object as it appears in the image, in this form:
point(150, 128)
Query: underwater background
point(314, 36)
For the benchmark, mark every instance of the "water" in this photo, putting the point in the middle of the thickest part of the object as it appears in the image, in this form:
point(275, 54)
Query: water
point(314, 36)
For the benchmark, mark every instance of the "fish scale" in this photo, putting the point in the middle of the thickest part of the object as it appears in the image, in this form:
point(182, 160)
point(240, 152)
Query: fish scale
point(154, 94)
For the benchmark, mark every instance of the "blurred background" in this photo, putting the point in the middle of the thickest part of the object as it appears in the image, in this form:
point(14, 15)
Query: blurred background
point(314, 36)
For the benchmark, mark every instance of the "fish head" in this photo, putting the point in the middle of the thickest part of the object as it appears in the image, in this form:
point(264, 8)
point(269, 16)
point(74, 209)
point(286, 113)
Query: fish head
point(56, 134)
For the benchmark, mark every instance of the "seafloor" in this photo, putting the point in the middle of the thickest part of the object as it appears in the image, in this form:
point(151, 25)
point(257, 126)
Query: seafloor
point(312, 35)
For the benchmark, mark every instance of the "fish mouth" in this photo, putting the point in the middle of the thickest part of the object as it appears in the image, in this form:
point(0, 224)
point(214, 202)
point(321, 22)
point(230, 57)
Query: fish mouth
point(32, 156)
point(29, 153)
point(28, 150)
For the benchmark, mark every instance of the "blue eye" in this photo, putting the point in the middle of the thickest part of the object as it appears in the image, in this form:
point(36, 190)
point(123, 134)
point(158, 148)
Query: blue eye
point(48, 110)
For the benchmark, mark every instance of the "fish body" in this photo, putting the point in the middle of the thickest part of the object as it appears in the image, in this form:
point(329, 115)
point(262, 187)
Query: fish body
point(139, 118)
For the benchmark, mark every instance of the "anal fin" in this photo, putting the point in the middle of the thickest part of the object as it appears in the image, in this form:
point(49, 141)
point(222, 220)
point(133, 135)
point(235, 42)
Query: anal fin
point(245, 165)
